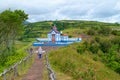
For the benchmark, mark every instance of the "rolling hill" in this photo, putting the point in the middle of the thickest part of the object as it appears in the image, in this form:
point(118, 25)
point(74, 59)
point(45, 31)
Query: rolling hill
point(95, 58)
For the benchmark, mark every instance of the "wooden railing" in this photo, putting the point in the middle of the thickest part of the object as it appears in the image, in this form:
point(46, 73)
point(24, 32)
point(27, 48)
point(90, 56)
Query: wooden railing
point(18, 68)
point(50, 71)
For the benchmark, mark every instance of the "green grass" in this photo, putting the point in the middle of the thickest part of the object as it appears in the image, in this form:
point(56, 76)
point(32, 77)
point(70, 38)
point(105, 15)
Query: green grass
point(45, 71)
point(79, 66)
point(20, 54)
point(74, 32)
point(25, 68)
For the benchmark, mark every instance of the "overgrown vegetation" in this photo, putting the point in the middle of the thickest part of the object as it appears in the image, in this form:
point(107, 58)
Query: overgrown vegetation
point(10, 30)
point(86, 66)
point(101, 41)
point(99, 38)
point(96, 57)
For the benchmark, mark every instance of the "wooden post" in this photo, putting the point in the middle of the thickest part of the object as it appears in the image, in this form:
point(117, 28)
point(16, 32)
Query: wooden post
point(16, 70)
point(25, 62)
point(10, 74)
point(5, 77)
point(4, 74)
point(20, 64)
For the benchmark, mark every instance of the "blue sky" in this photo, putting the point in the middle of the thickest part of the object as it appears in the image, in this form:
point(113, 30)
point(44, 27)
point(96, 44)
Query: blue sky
point(40, 10)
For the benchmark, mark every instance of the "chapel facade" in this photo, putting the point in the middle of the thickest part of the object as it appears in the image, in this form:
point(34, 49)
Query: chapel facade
point(55, 36)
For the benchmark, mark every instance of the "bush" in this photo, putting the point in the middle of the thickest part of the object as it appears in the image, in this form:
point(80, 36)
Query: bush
point(91, 32)
point(95, 58)
point(115, 32)
point(97, 39)
point(105, 31)
point(94, 48)
point(81, 49)
point(105, 45)
point(117, 70)
point(113, 65)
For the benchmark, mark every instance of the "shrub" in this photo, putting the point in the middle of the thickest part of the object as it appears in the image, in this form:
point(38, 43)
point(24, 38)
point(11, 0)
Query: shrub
point(105, 45)
point(118, 70)
point(91, 32)
point(97, 39)
point(115, 32)
point(94, 48)
point(95, 58)
point(81, 49)
point(105, 31)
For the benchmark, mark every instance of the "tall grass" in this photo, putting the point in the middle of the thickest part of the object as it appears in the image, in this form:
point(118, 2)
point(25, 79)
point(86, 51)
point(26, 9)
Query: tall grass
point(80, 66)
point(20, 53)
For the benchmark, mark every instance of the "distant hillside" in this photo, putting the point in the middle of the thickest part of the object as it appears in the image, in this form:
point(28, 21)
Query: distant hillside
point(63, 24)
point(40, 29)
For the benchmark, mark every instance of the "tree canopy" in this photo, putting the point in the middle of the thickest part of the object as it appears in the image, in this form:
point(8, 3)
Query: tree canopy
point(10, 28)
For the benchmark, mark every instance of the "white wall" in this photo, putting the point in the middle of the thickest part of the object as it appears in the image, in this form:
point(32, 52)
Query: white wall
point(49, 37)
point(64, 38)
point(57, 37)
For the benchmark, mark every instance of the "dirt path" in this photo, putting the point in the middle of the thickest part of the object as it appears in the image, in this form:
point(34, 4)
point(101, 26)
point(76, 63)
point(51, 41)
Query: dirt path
point(36, 71)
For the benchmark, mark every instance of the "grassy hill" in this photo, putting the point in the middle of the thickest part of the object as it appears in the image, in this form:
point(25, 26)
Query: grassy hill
point(97, 57)
point(40, 29)
point(68, 63)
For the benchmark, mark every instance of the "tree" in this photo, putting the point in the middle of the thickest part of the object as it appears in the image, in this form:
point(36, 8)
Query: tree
point(10, 28)
point(12, 21)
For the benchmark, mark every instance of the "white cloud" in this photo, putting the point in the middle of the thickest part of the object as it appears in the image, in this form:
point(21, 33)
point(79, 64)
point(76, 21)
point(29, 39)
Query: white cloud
point(100, 10)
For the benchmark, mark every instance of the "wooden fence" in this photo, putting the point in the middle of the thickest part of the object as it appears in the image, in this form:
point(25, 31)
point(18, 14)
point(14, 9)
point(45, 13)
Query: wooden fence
point(50, 71)
point(18, 68)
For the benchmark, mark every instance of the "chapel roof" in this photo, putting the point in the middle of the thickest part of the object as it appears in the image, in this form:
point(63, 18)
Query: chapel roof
point(54, 29)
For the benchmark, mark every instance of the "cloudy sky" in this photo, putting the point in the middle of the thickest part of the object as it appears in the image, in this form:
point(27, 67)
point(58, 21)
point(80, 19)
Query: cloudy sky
point(40, 10)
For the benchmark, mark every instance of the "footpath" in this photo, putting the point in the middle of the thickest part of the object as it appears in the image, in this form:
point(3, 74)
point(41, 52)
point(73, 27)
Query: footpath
point(36, 70)
point(38, 67)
